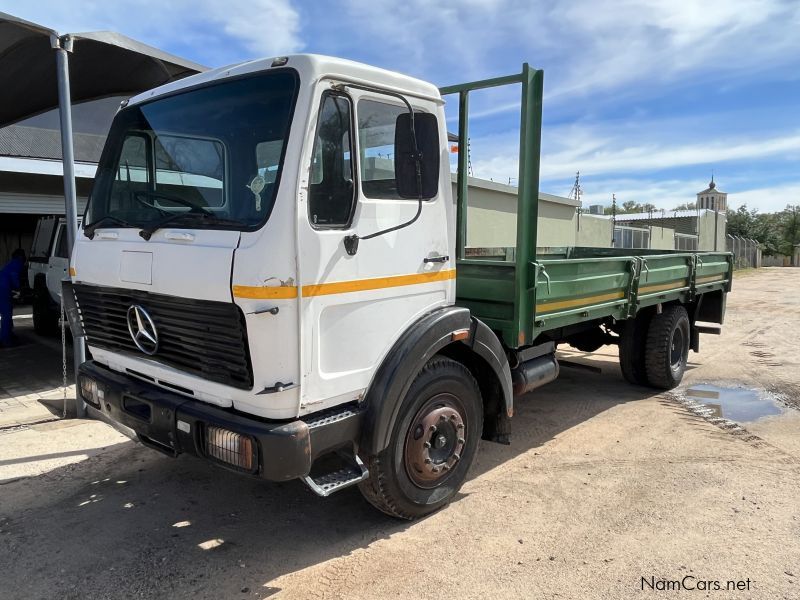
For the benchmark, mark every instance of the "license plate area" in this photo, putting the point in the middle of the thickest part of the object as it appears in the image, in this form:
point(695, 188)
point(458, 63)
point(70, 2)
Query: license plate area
point(152, 420)
point(137, 408)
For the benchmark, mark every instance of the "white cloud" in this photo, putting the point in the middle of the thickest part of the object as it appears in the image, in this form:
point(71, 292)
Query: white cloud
point(615, 157)
point(586, 46)
point(210, 29)
point(265, 27)
point(767, 199)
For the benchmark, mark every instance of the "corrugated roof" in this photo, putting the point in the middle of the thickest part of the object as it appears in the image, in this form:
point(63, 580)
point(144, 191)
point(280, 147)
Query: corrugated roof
point(667, 214)
point(36, 142)
point(513, 190)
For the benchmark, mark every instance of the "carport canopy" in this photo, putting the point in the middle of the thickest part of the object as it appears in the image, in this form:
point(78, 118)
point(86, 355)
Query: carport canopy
point(101, 64)
point(41, 70)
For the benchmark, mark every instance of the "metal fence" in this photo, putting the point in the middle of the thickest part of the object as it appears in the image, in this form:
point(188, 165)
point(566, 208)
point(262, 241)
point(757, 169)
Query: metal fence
point(746, 252)
point(631, 237)
point(686, 241)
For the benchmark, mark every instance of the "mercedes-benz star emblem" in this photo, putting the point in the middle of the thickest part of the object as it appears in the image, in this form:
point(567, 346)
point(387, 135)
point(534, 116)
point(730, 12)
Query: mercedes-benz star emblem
point(142, 329)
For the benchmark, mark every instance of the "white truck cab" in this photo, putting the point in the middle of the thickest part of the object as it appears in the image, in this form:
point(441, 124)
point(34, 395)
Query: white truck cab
point(265, 246)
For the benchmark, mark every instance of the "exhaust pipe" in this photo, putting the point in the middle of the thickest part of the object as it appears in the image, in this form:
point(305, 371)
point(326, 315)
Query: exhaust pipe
point(534, 373)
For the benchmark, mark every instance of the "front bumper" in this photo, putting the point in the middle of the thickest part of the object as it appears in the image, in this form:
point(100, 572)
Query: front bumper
point(175, 424)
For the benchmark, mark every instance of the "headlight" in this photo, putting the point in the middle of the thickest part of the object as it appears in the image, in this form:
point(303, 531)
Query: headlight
point(90, 391)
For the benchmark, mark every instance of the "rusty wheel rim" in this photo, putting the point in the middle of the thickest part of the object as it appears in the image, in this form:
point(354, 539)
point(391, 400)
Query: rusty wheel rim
point(435, 441)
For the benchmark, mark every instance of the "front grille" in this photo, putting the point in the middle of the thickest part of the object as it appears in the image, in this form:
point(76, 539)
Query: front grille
point(200, 337)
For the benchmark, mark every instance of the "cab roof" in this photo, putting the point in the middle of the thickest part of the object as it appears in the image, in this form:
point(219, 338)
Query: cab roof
point(311, 67)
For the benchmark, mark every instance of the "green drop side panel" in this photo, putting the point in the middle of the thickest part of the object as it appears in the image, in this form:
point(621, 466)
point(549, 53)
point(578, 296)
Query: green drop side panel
point(713, 271)
point(570, 291)
point(663, 278)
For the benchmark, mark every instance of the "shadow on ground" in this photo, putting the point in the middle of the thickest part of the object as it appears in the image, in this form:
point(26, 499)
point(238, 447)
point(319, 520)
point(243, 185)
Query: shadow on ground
point(132, 523)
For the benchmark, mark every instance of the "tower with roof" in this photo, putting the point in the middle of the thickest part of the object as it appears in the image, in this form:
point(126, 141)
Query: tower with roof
point(712, 198)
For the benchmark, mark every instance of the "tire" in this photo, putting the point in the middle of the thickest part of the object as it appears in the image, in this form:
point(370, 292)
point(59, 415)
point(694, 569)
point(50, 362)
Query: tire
point(402, 483)
point(45, 319)
point(632, 347)
point(667, 347)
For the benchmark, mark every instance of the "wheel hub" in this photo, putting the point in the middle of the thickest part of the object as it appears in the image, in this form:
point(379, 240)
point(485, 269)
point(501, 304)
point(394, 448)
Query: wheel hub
point(434, 442)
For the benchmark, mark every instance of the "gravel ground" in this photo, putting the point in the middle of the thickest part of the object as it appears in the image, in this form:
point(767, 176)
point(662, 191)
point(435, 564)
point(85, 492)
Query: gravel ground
point(604, 484)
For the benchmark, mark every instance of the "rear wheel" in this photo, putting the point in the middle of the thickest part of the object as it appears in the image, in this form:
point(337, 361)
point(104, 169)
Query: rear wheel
point(45, 319)
point(632, 348)
point(667, 347)
point(432, 444)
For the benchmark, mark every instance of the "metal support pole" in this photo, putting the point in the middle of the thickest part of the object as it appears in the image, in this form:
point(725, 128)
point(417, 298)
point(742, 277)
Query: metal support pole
point(63, 46)
point(528, 203)
point(463, 174)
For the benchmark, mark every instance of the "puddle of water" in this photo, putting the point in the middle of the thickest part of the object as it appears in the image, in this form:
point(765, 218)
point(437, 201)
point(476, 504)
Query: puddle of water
point(735, 403)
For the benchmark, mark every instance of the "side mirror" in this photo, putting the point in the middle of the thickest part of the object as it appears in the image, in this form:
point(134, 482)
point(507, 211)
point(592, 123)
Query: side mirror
point(426, 129)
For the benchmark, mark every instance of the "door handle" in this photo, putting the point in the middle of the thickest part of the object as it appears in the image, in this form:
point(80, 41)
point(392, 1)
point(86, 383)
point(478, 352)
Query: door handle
point(436, 259)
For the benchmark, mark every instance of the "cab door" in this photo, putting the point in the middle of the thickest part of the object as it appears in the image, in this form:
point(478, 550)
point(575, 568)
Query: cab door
point(58, 263)
point(355, 306)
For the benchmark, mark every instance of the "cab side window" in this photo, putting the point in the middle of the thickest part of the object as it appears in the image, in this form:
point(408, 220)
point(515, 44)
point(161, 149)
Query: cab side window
point(376, 128)
point(61, 247)
point(331, 191)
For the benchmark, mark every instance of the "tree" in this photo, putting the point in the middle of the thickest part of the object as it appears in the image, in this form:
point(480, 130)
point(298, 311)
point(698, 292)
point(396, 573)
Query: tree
point(687, 206)
point(789, 229)
point(764, 228)
point(630, 206)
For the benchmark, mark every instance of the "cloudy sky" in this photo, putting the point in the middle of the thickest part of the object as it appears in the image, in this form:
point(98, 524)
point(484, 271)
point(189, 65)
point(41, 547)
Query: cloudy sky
point(644, 97)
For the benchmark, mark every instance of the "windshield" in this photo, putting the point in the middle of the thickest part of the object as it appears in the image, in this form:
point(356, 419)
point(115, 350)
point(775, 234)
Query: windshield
point(214, 152)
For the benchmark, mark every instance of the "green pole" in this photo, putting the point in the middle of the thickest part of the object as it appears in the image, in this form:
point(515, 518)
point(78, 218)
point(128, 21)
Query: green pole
point(528, 202)
point(463, 173)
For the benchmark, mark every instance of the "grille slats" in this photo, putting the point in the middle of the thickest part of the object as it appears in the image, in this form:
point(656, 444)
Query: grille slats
point(202, 337)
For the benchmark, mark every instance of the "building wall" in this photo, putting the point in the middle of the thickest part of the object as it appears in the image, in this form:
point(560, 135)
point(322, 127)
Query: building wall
point(706, 230)
point(662, 238)
point(557, 225)
point(702, 226)
point(594, 231)
point(492, 217)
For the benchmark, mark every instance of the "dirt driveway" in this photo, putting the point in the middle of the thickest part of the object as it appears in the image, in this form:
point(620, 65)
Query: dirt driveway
point(603, 486)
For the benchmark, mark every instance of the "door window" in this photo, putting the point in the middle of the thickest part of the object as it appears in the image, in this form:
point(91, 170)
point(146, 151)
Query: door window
point(42, 239)
point(331, 191)
point(376, 125)
point(61, 245)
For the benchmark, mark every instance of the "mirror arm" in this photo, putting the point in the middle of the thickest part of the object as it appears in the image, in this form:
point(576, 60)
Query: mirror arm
point(351, 241)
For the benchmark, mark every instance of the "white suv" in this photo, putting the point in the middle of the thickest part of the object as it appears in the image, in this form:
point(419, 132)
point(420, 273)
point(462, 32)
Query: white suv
point(48, 265)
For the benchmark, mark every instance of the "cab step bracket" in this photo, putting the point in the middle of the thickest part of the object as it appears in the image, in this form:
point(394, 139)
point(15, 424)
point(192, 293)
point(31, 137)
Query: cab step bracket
point(352, 473)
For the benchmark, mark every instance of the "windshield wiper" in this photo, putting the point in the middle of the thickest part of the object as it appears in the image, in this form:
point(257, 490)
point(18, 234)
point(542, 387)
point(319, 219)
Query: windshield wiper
point(89, 229)
point(199, 214)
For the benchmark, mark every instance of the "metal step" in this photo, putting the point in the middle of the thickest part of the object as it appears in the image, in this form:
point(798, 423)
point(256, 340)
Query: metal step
point(351, 474)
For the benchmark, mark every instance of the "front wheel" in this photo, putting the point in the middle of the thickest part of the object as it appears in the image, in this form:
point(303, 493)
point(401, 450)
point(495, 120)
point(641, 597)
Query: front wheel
point(432, 444)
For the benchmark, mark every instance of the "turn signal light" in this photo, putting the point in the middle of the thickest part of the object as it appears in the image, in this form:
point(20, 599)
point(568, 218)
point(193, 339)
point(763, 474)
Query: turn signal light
point(90, 391)
point(230, 447)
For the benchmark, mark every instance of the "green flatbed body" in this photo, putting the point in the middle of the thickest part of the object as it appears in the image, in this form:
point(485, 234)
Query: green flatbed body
point(532, 295)
point(585, 286)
